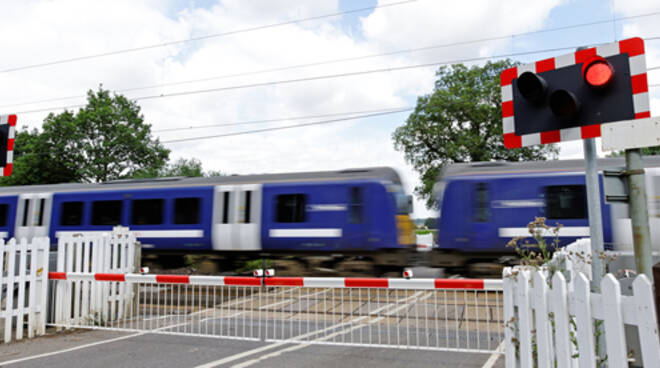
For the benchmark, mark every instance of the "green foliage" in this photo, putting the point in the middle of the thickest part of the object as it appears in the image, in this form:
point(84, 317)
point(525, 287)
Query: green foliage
point(461, 121)
point(105, 140)
point(255, 264)
point(430, 223)
point(180, 167)
point(538, 254)
point(34, 162)
point(646, 151)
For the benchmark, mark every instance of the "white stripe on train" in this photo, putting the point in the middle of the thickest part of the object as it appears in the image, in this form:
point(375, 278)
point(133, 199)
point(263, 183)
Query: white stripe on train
point(567, 231)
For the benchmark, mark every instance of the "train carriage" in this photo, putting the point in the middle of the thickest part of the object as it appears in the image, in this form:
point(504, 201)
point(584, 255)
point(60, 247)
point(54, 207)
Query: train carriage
point(483, 205)
point(361, 210)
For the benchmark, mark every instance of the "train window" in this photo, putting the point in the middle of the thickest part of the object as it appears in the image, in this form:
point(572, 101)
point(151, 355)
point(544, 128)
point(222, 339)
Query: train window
point(4, 208)
point(42, 206)
point(72, 214)
point(106, 212)
point(565, 202)
point(147, 212)
point(290, 208)
point(481, 203)
point(355, 206)
point(26, 209)
point(225, 207)
point(186, 211)
point(248, 203)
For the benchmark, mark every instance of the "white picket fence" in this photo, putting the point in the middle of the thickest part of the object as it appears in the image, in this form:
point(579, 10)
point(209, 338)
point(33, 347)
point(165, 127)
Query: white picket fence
point(79, 300)
point(555, 322)
point(23, 287)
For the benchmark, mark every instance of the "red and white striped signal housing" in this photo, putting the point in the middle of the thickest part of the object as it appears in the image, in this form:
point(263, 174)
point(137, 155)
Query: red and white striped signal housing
point(7, 135)
point(568, 97)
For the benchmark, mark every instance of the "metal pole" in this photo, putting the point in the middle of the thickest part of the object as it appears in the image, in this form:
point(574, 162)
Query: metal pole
point(595, 225)
point(595, 214)
point(639, 214)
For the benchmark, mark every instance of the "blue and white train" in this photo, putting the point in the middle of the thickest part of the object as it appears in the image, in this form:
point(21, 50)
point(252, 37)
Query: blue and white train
point(362, 210)
point(483, 205)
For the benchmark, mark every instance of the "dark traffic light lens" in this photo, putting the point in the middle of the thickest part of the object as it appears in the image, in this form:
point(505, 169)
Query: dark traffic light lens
point(531, 86)
point(564, 104)
point(597, 72)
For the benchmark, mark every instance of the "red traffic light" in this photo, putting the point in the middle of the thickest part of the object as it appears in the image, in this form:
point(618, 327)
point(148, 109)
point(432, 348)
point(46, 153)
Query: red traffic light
point(597, 72)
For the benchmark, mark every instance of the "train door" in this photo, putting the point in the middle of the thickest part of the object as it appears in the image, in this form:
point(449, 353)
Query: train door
point(481, 219)
point(33, 213)
point(224, 214)
point(246, 234)
point(356, 228)
point(237, 217)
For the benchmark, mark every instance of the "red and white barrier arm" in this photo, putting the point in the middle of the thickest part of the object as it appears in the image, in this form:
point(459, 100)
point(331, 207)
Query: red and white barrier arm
point(418, 284)
point(310, 282)
point(157, 279)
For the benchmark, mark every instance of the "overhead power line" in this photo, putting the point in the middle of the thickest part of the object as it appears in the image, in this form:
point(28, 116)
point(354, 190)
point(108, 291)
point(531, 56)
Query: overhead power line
point(206, 37)
point(287, 127)
point(333, 61)
point(314, 78)
point(249, 122)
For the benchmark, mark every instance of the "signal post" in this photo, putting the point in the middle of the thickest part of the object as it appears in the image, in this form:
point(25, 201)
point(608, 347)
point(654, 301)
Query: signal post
point(579, 96)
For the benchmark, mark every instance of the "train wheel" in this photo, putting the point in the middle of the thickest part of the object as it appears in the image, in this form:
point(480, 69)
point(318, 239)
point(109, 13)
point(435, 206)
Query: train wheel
point(485, 269)
point(351, 268)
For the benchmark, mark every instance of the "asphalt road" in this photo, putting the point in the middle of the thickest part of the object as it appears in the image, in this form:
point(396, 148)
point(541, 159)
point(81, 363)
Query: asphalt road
point(87, 349)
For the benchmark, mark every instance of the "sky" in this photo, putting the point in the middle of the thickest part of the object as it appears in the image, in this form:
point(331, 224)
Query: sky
point(243, 61)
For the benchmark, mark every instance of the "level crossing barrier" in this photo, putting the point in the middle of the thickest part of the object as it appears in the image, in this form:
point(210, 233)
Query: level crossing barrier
point(432, 314)
point(23, 287)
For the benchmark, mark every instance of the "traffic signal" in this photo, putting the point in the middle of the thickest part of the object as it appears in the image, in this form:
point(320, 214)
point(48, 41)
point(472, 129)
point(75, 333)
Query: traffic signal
point(7, 132)
point(568, 97)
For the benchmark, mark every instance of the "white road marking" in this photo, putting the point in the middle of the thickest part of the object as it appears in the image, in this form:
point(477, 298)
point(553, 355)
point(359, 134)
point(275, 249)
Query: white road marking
point(68, 350)
point(493, 357)
point(312, 333)
point(240, 355)
point(293, 300)
point(341, 332)
point(101, 342)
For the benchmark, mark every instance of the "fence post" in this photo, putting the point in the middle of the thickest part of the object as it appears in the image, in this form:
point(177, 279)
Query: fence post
point(32, 280)
point(11, 271)
point(525, 320)
point(45, 266)
point(647, 320)
point(509, 318)
point(137, 266)
point(543, 328)
point(614, 332)
point(20, 303)
point(559, 306)
point(585, 325)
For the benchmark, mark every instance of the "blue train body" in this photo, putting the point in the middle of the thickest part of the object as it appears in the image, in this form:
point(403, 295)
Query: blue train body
point(342, 211)
point(484, 205)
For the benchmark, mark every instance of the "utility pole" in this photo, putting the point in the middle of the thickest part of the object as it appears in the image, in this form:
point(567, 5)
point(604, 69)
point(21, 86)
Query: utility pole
point(639, 214)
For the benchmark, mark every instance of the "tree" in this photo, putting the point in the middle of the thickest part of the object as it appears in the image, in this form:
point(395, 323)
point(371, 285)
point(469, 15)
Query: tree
point(646, 151)
point(180, 167)
point(430, 223)
point(33, 163)
point(461, 121)
point(105, 140)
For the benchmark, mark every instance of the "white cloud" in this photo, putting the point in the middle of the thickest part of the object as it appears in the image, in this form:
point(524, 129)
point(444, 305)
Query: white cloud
point(41, 31)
